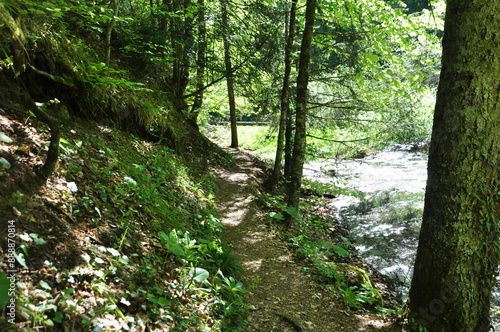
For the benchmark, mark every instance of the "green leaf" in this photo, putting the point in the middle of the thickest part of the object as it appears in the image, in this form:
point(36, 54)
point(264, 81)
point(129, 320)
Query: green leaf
point(163, 301)
point(37, 239)
point(5, 138)
point(21, 260)
point(176, 250)
point(45, 285)
point(163, 236)
point(58, 317)
point(198, 274)
point(293, 212)
point(4, 163)
point(121, 191)
point(4, 289)
point(340, 251)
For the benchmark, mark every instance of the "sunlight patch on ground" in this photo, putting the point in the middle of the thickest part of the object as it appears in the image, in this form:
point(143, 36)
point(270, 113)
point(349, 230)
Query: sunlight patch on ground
point(254, 237)
point(253, 265)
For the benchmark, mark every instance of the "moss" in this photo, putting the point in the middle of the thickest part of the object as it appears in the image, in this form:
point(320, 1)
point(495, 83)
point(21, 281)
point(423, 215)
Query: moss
point(358, 277)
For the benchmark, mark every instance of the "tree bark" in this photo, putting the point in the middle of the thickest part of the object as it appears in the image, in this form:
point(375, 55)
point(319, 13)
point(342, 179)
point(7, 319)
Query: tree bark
point(299, 144)
point(458, 252)
point(180, 28)
point(109, 31)
point(200, 63)
point(229, 74)
point(285, 98)
point(288, 144)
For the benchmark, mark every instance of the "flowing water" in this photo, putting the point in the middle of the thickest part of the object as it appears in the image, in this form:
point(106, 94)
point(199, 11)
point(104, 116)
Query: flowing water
point(385, 217)
point(385, 214)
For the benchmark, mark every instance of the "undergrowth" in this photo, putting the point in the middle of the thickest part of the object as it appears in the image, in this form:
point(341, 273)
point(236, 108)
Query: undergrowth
point(317, 239)
point(148, 252)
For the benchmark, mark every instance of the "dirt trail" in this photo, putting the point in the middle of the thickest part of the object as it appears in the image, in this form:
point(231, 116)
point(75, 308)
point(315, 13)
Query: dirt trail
point(283, 299)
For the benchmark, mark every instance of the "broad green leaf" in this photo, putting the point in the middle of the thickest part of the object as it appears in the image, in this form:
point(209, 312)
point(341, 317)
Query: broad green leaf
point(58, 317)
point(45, 285)
point(176, 250)
point(198, 274)
point(293, 212)
point(121, 191)
point(21, 260)
point(163, 301)
point(4, 163)
point(5, 138)
point(340, 251)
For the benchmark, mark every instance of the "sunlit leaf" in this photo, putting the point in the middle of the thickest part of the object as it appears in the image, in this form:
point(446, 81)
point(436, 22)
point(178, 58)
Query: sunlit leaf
point(198, 274)
point(5, 138)
point(21, 260)
point(4, 163)
point(45, 285)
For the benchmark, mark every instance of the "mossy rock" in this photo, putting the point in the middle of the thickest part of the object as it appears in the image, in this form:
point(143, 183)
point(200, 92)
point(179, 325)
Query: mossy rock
point(356, 276)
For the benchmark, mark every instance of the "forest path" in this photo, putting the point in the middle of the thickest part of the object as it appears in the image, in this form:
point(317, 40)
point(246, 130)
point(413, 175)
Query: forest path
point(283, 299)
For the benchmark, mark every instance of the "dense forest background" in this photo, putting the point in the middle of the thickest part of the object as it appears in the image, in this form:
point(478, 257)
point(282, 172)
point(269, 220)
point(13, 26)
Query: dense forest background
point(128, 94)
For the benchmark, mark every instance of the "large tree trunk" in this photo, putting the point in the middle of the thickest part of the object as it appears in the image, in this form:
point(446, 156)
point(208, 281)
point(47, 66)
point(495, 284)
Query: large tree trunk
point(299, 144)
point(229, 75)
point(458, 247)
point(285, 98)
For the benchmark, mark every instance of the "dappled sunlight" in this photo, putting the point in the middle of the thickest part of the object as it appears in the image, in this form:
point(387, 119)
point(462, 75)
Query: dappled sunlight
point(253, 265)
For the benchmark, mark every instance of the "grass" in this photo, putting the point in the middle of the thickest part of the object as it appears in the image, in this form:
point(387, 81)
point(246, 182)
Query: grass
point(260, 140)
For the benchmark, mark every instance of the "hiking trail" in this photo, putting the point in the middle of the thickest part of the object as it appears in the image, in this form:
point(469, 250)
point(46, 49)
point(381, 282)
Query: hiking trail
point(281, 297)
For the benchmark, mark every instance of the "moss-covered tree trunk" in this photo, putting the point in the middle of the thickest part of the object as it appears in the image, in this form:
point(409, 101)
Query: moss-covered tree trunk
point(458, 246)
point(299, 147)
point(285, 97)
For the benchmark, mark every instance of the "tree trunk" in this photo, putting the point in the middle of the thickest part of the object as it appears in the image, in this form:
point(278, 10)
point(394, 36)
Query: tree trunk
point(181, 40)
point(285, 98)
point(229, 75)
point(289, 129)
point(299, 143)
point(200, 62)
point(458, 254)
point(109, 31)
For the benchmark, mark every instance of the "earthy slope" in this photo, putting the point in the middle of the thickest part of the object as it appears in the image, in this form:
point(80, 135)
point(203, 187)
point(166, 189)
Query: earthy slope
point(281, 297)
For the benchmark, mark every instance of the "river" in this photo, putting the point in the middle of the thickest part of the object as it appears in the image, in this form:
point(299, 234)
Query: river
point(385, 218)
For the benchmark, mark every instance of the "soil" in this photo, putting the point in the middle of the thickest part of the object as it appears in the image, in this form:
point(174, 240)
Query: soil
point(281, 298)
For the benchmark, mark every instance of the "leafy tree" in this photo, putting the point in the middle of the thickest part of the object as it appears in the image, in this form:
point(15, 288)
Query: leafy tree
point(458, 252)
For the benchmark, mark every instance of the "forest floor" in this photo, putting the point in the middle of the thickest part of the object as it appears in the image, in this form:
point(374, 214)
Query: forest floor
point(281, 297)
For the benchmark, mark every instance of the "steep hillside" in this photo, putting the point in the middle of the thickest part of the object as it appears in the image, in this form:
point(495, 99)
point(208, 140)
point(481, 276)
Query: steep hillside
point(125, 229)
point(115, 228)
